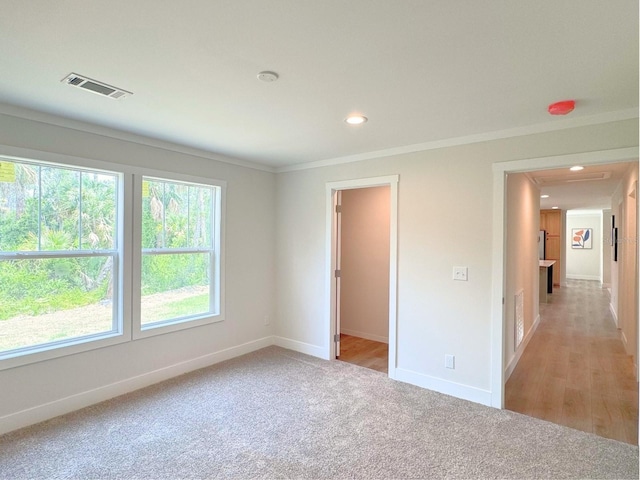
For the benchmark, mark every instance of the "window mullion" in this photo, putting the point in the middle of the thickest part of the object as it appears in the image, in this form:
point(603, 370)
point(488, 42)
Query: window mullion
point(164, 215)
point(39, 207)
point(133, 252)
point(174, 251)
point(44, 254)
point(80, 214)
point(188, 214)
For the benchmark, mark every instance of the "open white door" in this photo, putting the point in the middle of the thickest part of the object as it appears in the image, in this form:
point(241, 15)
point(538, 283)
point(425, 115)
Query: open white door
point(333, 262)
point(337, 210)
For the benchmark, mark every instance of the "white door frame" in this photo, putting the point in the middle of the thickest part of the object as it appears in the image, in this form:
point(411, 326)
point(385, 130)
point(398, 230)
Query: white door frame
point(500, 171)
point(337, 238)
point(330, 285)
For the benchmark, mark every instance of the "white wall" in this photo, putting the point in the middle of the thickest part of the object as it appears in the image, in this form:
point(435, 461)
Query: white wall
point(624, 289)
point(522, 263)
point(33, 392)
point(584, 264)
point(445, 200)
point(364, 282)
point(444, 220)
point(616, 211)
point(563, 248)
point(606, 248)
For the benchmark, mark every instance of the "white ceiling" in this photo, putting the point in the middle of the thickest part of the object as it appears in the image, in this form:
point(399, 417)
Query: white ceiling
point(422, 71)
point(588, 189)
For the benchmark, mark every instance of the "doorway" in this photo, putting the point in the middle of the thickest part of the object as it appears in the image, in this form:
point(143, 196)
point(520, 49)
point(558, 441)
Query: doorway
point(362, 317)
point(357, 261)
point(499, 272)
point(575, 370)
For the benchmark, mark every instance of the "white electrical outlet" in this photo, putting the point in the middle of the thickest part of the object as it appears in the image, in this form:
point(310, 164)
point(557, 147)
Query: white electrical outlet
point(267, 320)
point(460, 273)
point(450, 361)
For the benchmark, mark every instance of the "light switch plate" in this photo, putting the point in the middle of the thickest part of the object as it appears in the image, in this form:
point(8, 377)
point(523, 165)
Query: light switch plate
point(460, 273)
point(450, 361)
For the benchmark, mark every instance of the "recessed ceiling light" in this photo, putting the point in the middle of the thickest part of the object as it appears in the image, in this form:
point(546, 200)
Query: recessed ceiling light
point(268, 77)
point(356, 119)
point(576, 168)
point(544, 196)
point(555, 208)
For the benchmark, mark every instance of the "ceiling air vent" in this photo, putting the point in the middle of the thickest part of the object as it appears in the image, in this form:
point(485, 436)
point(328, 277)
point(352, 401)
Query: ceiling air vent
point(571, 178)
point(94, 86)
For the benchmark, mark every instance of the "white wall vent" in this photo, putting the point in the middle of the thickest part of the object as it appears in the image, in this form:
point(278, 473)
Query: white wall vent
point(519, 318)
point(579, 177)
point(94, 86)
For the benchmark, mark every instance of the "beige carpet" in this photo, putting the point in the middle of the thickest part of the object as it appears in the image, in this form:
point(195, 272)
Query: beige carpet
point(280, 414)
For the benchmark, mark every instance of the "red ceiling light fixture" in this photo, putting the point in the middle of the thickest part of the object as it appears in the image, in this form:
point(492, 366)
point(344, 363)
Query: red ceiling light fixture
point(562, 108)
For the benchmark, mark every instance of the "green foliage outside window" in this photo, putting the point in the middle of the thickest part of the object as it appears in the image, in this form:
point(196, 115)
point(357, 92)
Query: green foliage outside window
point(55, 209)
point(176, 218)
point(45, 208)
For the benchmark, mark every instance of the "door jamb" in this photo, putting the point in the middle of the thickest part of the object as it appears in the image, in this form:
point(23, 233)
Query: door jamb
point(330, 258)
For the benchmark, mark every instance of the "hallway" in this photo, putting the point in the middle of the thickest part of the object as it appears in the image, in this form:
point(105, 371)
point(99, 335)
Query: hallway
point(574, 371)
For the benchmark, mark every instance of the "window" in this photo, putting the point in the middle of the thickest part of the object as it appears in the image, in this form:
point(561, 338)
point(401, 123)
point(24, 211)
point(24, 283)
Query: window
point(59, 256)
point(91, 257)
point(180, 238)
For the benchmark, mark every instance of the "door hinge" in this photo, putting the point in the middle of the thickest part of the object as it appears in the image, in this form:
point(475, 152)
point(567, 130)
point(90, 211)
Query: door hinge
point(503, 300)
point(336, 337)
point(337, 273)
point(338, 208)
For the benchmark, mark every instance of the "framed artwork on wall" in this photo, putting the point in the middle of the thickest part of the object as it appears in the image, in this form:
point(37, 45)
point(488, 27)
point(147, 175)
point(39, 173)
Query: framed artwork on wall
point(615, 244)
point(582, 238)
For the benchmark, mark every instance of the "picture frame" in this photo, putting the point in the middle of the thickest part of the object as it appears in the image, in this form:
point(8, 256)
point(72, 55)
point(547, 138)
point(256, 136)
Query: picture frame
point(582, 238)
point(615, 244)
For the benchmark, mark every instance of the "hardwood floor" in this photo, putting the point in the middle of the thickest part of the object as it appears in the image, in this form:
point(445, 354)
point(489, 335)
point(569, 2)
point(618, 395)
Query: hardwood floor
point(363, 352)
point(575, 371)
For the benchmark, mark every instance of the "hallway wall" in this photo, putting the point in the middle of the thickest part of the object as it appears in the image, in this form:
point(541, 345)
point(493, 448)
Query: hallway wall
point(625, 289)
point(606, 249)
point(523, 225)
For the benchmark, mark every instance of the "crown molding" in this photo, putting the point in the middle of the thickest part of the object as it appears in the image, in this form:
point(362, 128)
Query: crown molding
point(556, 125)
point(561, 124)
point(85, 127)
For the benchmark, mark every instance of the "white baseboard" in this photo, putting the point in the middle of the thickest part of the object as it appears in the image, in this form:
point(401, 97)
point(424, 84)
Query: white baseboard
point(516, 357)
point(583, 277)
point(302, 347)
point(465, 392)
point(625, 343)
point(69, 404)
point(368, 336)
point(613, 314)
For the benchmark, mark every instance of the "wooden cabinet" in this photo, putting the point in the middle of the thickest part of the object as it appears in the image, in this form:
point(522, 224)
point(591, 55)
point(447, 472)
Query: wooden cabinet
point(551, 223)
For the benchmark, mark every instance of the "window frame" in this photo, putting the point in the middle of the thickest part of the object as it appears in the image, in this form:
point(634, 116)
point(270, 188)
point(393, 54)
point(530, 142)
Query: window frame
point(122, 279)
point(129, 256)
